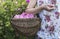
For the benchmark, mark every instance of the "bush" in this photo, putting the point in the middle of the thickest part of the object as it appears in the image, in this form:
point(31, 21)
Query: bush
point(8, 8)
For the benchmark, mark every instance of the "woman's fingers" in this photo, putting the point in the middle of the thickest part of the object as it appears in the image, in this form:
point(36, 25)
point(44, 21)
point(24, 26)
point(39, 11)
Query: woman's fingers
point(50, 7)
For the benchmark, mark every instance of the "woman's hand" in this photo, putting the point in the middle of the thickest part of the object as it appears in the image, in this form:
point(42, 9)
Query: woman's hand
point(48, 7)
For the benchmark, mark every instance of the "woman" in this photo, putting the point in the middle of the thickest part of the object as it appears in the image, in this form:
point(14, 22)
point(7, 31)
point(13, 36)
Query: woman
point(47, 11)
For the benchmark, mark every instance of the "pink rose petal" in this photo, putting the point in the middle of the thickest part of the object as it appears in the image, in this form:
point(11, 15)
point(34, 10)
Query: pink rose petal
point(16, 16)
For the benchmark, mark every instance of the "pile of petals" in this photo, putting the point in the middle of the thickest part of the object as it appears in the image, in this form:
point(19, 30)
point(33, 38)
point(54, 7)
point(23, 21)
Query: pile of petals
point(24, 15)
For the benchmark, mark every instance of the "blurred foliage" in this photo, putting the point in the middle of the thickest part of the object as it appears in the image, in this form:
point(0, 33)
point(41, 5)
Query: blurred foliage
point(8, 8)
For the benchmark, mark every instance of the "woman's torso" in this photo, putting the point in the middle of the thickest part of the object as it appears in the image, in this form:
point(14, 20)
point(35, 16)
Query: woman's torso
point(48, 18)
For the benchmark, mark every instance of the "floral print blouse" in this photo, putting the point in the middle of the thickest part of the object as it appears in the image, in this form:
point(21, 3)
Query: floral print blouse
point(50, 25)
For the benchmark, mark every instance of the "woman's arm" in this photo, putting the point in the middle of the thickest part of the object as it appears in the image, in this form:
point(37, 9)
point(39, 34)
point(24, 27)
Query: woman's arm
point(31, 9)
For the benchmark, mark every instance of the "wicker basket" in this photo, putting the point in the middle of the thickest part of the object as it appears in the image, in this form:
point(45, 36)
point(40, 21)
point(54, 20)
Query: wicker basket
point(27, 27)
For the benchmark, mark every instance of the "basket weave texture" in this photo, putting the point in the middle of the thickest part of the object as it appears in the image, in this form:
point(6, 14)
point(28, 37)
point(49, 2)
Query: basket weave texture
point(28, 26)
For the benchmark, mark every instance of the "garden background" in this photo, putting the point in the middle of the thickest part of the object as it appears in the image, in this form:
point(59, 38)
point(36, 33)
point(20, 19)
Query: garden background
point(7, 9)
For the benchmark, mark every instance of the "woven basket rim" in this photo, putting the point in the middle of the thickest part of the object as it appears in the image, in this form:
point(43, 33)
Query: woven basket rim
point(12, 18)
point(24, 26)
point(24, 19)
